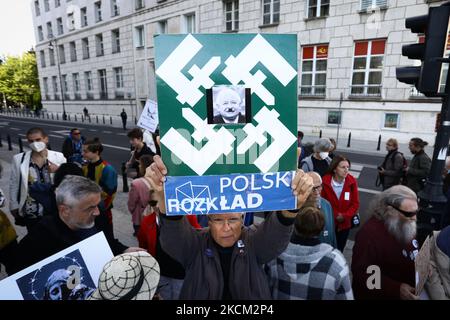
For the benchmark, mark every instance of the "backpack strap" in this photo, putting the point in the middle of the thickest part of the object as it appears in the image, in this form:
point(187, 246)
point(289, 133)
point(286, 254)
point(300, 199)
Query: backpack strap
point(19, 194)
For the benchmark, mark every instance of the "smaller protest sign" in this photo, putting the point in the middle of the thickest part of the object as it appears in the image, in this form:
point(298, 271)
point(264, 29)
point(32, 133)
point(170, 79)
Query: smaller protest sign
point(422, 264)
point(149, 116)
point(70, 274)
point(230, 193)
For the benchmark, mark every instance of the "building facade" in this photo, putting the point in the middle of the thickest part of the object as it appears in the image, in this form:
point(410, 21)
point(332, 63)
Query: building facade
point(347, 54)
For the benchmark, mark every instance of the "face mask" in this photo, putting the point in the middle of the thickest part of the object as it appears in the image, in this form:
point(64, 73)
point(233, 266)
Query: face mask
point(38, 146)
point(323, 155)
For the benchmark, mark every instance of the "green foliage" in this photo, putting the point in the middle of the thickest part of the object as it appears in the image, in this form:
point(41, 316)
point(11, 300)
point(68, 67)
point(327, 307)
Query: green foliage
point(19, 81)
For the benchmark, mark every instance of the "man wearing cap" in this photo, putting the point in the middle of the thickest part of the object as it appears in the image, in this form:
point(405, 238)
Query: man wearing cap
point(385, 247)
point(223, 261)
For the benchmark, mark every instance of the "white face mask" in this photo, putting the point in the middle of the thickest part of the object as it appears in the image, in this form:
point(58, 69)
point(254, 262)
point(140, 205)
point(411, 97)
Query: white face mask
point(323, 155)
point(38, 146)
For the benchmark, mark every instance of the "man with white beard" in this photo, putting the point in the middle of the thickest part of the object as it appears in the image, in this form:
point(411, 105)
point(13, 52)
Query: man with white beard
point(385, 248)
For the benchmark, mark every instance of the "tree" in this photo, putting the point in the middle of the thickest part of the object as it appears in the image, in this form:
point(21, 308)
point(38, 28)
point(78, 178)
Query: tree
point(19, 81)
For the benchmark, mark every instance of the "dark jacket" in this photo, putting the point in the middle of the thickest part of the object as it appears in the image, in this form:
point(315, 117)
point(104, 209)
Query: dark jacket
point(197, 252)
point(69, 150)
point(393, 169)
point(418, 170)
point(52, 235)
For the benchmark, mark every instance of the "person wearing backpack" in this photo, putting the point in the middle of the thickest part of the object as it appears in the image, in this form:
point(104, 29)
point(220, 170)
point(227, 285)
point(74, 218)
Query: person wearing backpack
point(420, 165)
point(392, 171)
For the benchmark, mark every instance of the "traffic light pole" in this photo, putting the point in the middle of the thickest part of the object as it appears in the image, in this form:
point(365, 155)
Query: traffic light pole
point(432, 201)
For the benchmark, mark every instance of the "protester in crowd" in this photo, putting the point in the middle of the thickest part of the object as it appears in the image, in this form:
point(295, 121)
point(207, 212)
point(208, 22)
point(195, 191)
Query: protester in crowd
point(124, 117)
point(218, 260)
point(140, 148)
point(333, 148)
point(438, 282)
point(420, 165)
point(139, 195)
point(86, 112)
point(319, 161)
point(341, 190)
point(172, 272)
point(8, 236)
point(78, 218)
point(73, 146)
point(327, 235)
point(37, 165)
point(309, 269)
point(392, 170)
point(300, 150)
point(385, 247)
point(101, 172)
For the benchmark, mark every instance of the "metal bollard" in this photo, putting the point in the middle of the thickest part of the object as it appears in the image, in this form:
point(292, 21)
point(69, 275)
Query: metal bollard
point(1, 143)
point(379, 143)
point(9, 142)
point(20, 145)
point(48, 117)
point(349, 138)
point(69, 116)
point(82, 119)
point(89, 119)
point(97, 119)
point(103, 119)
point(110, 120)
point(135, 120)
point(76, 120)
point(124, 177)
point(320, 133)
point(57, 117)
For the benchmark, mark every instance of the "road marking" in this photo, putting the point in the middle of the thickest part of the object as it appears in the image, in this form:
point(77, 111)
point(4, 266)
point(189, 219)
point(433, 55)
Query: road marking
point(107, 131)
point(47, 124)
point(115, 147)
point(15, 129)
point(55, 136)
point(93, 130)
point(121, 134)
point(22, 135)
point(369, 191)
point(355, 174)
point(363, 165)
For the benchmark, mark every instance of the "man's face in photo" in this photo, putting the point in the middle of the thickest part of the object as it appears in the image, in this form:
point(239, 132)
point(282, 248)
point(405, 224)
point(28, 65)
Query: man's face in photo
point(228, 104)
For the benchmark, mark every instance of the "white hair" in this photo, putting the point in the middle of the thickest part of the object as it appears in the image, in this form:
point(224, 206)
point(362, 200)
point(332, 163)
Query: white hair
point(74, 188)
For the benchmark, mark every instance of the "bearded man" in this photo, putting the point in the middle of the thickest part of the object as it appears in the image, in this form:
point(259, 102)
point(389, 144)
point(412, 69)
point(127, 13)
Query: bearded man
point(385, 248)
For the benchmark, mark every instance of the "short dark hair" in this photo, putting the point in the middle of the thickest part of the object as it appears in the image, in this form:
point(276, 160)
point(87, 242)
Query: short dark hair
point(94, 145)
point(300, 134)
point(335, 162)
point(36, 130)
point(64, 170)
point(309, 222)
point(74, 129)
point(419, 142)
point(136, 133)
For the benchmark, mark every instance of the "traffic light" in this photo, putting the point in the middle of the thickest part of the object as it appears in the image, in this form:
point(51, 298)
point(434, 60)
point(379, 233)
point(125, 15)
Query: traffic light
point(435, 25)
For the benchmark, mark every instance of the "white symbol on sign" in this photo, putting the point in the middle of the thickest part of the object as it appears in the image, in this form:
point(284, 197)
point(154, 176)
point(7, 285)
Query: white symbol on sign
point(219, 142)
point(282, 138)
point(170, 71)
point(192, 197)
point(258, 51)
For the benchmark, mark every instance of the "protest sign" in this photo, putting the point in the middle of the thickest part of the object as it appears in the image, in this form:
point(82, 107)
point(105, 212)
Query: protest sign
point(149, 116)
point(422, 265)
point(227, 105)
point(70, 274)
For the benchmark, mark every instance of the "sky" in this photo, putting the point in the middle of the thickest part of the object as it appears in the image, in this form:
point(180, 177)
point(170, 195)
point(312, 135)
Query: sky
point(16, 27)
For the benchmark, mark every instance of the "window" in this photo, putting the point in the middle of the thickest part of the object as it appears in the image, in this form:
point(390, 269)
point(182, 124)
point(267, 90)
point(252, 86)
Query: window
point(46, 5)
point(57, 3)
point(318, 8)
point(62, 54)
point(368, 4)
point(76, 85)
point(161, 27)
point(45, 84)
point(139, 38)
point(368, 68)
point(391, 120)
point(70, 20)
point(314, 70)
point(83, 16)
point(103, 84)
point(114, 8)
point(51, 54)
point(231, 15)
point(37, 9)
point(40, 33)
point(99, 45)
point(118, 75)
point(55, 87)
point(85, 47)
point(98, 11)
point(42, 56)
point(59, 26)
point(88, 79)
point(73, 51)
point(334, 117)
point(139, 4)
point(271, 11)
point(49, 30)
point(115, 35)
point(65, 86)
point(189, 23)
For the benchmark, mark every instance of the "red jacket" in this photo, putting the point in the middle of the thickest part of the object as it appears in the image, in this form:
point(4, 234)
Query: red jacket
point(148, 231)
point(347, 205)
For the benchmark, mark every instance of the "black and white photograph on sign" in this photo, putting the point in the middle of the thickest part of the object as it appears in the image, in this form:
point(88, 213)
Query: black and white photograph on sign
point(227, 104)
point(66, 278)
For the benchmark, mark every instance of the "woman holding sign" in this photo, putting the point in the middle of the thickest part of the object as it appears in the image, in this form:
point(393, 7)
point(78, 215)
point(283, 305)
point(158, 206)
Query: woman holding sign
point(341, 190)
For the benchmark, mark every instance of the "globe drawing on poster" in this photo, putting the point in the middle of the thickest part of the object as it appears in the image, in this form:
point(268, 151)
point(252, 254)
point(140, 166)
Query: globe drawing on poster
point(227, 106)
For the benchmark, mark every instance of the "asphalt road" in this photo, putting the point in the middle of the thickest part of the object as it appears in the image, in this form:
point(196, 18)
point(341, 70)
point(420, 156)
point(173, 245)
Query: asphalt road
point(117, 150)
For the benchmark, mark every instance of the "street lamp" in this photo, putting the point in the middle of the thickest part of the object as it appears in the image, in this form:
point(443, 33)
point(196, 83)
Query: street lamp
point(53, 45)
